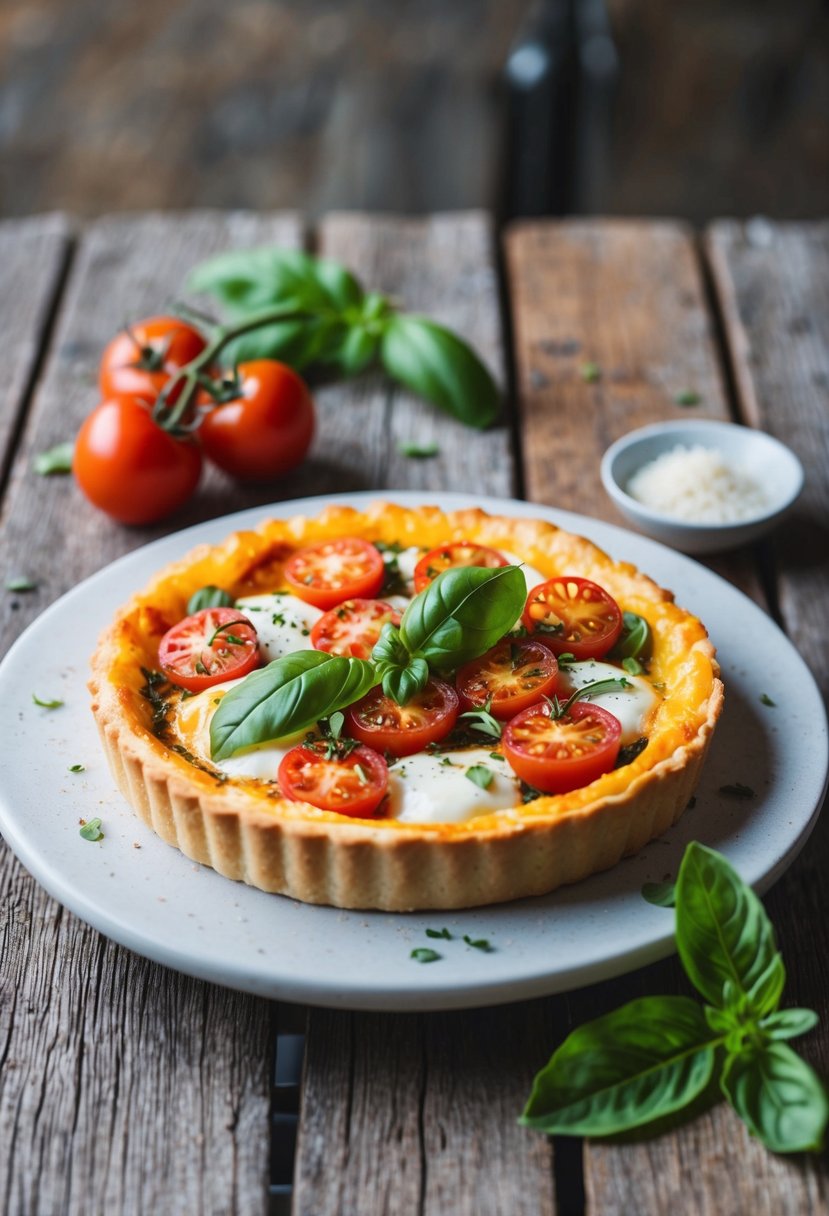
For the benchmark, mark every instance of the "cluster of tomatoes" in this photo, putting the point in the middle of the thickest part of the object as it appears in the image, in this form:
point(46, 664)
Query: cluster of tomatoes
point(514, 682)
point(256, 423)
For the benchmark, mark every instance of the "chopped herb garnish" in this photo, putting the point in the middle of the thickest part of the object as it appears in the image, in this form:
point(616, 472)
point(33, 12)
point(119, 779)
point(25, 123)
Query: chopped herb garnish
point(765, 699)
point(92, 830)
point(418, 451)
point(529, 793)
point(496, 756)
point(687, 397)
point(591, 372)
point(567, 657)
point(633, 667)
point(630, 751)
point(157, 691)
point(46, 704)
point(77, 768)
point(424, 955)
point(737, 790)
point(480, 775)
point(56, 460)
point(482, 720)
point(230, 637)
point(442, 933)
point(480, 943)
point(20, 585)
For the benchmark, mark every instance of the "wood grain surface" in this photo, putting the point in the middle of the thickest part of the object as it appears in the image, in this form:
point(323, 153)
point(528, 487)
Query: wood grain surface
point(110, 1062)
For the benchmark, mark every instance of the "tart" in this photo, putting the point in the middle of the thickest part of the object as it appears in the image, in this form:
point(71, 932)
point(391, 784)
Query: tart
point(237, 820)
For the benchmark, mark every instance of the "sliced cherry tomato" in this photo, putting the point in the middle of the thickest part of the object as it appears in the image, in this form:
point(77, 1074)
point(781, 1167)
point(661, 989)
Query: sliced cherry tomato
point(208, 647)
point(574, 616)
point(354, 785)
point(556, 755)
point(404, 729)
point(514, 674)
point(331, 571)
point(353, 628)
point(131, 468)
point(265, 428)
point(455, 553)
point(143, 357)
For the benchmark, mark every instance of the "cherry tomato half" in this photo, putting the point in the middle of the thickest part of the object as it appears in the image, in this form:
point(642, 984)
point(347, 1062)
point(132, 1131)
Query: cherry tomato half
point(353, 628)
point(131, 468)
point(515, 674)
point(331, 571)
point(354, 785)
point(381, 723)
point(265, 430)
point(208, 647)
point(456, 553)
point(142, 358)
point(574, 616)
point(556, 755)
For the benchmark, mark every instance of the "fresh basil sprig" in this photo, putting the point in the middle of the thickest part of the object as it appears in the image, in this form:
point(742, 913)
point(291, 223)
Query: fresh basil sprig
point(459, 616)
point(287, 696)
point(343, 327)
point(654, 1056)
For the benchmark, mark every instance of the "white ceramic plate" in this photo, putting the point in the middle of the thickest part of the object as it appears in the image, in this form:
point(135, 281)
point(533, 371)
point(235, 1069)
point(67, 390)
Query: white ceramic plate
point(157, 902)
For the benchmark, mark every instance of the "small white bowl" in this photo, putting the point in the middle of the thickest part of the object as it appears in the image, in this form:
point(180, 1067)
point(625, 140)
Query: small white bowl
point(770, 463)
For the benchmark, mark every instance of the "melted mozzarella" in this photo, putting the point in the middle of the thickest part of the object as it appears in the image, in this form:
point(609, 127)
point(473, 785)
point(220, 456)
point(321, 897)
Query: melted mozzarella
point(632, 706)
point(531, 574)
point(282, 623)
point(407, 559)
point(428, 788)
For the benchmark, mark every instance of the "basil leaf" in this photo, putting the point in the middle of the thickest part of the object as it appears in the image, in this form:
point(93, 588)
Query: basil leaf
point(789, 1023)
point(635, 640)
point(55, 460)
point(353, 352)
point(208, 597)
point(250, 279)
point(288, 695)
point(424, 955)
point(779, 1096)
point(435, 363)
point(297, 343)
point(403, 683)
point(662, 894)
point(644, 1060)
point(464, 612)
point(480, 775)
point(91, 830)
point(724, 935)
point(389, 651)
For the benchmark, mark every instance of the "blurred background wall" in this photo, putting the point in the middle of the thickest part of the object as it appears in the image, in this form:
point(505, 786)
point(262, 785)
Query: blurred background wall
point(682, 107)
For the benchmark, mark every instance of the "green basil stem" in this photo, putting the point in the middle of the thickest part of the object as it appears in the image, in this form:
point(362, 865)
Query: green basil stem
point(169, 417)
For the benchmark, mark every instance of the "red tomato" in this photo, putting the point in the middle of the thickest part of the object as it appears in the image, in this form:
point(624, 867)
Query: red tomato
point(354, 785)
point(208, 647)
point(331, 571)
point(515, 674)
point(142, 358)
point(456, 553)
point(404, 729)
point(353, 628)
point(556, 755)
point(131, 468)
point(265, 430)
point(574, 616)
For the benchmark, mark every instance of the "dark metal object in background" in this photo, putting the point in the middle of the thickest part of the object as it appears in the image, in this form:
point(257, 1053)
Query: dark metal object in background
point(560, 76)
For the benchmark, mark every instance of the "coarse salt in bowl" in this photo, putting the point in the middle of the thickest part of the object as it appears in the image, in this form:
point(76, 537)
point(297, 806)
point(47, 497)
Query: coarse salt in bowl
point(702, 486)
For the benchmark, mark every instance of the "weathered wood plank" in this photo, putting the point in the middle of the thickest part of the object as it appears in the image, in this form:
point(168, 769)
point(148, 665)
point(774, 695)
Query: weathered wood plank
point(629, 297)
point(126, 1087)
point(414, 1113)
point(33, 255)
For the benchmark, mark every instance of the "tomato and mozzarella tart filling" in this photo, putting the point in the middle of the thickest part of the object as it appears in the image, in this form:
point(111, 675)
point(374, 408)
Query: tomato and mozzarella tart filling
point(548, 709)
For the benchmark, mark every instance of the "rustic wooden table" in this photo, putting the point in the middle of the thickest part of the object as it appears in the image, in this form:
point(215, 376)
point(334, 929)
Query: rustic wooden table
point(126, 1088)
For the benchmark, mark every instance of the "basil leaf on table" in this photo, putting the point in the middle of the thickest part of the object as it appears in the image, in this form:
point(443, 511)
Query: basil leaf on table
point(643, 1061)
point(288, 695)
point(436, 364)
point(249, 279)
point(779, 1096)
point(724, 935)
point(463, 613)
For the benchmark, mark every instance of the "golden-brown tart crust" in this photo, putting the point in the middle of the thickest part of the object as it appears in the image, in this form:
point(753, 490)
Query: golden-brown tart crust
point(240, 829)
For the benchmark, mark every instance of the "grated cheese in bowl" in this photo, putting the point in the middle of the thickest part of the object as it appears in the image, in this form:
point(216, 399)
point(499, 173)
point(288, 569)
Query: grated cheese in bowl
point(698, 485)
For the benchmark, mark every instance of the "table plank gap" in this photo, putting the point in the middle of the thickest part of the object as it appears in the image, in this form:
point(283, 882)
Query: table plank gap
point(35, 255)
point(400, 1112)
point(189, 1130)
